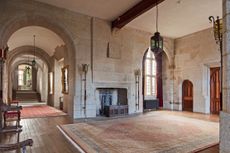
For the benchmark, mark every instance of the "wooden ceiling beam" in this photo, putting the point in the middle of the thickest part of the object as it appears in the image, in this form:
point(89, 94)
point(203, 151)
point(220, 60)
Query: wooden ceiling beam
point(134, 12)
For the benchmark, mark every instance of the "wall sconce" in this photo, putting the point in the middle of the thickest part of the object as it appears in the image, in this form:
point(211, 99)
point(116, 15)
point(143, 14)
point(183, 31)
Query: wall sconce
point(85, 70)
point(137, 74)
point(85, 67)
point(3, 53)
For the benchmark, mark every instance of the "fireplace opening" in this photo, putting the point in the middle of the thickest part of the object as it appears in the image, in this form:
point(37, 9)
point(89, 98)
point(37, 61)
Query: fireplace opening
point(112, 102)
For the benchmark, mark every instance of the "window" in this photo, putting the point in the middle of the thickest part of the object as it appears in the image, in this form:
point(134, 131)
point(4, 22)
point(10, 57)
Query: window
point(24, 77)
point(150, 74)
point(20, 77)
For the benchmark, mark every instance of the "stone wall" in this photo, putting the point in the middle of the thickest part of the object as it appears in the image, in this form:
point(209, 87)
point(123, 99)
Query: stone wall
point(58, 65)
point(194, 55)
point(42, 82)
point(113, 55)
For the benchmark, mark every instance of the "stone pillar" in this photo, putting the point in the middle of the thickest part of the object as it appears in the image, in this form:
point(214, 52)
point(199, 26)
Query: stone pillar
point(34, 79)
point(159, 79)
point(225, 114)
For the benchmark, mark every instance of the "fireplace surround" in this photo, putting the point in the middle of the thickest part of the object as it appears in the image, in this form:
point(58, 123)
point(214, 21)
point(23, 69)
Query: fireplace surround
point(112, 100)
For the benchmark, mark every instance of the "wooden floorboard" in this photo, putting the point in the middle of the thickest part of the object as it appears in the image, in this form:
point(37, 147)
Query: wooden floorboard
point(45, 134)
point(214, 149)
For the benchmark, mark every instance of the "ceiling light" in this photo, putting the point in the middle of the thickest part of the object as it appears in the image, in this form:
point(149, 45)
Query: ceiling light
point(156, 40)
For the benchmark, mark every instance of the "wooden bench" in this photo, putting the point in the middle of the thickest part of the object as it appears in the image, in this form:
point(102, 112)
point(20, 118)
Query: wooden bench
point(16, 146)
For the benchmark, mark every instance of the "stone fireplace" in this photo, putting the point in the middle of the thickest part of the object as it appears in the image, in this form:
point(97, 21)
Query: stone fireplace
point(110, 97)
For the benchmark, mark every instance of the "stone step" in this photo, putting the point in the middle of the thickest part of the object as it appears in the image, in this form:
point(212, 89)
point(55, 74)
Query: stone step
point(26, 95)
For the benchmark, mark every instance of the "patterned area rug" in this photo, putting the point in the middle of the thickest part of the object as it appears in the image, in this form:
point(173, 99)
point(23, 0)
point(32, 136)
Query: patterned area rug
point(40, 111)
point(156, 132)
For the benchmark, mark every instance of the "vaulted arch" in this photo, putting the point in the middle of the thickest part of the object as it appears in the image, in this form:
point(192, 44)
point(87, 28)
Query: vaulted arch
point(15, 23)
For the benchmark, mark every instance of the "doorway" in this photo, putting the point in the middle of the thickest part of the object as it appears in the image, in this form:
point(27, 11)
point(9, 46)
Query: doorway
point(215, 90)
point(187, 96)
point(24, 81)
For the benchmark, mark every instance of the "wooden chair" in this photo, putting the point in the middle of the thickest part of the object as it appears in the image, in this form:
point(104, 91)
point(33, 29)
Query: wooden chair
point(10, 116)
point(11, 113)
point(20, 146)
point(14, 102)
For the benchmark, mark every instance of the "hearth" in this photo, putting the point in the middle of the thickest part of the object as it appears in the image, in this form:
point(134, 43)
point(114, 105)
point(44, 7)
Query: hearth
point(110, 99)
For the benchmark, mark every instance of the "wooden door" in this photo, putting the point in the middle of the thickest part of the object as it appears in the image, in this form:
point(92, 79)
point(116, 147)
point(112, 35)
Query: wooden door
point(215, 90)
point(187, 96)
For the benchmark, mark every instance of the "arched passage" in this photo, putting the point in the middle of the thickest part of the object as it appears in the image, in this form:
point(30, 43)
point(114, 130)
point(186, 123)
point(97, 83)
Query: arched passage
point(187, 96)
point(12, 64)
point(18, 88)
point(15, 23)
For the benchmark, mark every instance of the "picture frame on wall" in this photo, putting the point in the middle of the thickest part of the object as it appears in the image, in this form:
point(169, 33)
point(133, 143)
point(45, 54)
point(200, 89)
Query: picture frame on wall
point(65, 79)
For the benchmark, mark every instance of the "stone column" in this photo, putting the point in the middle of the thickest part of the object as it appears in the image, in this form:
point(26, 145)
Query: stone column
point(34, 79)
point(159, 79)
point(225, 114)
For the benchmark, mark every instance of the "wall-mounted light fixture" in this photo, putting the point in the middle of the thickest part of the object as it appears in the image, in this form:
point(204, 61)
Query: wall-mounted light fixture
point(156, 42)
point(34, 61)
point(85, 68)
point(137, 74)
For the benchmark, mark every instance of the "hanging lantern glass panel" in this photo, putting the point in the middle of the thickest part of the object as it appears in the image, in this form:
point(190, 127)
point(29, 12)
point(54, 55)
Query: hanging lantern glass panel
point(33, 62)
point(156, 43)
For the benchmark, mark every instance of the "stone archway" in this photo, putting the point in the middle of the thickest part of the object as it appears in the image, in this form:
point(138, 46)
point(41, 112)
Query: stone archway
point(15, 23)
point(27, 50)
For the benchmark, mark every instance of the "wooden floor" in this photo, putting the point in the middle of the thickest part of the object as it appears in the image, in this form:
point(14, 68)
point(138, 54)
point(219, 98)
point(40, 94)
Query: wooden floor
point(48, 139)
point(214, 149)
point(212, 118)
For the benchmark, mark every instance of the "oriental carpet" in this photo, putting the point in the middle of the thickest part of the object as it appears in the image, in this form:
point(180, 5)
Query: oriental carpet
point(155, 132)
point(40, 111)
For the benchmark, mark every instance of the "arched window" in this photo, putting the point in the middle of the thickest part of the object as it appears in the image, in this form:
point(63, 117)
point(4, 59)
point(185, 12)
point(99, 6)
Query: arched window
point(150, 74)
